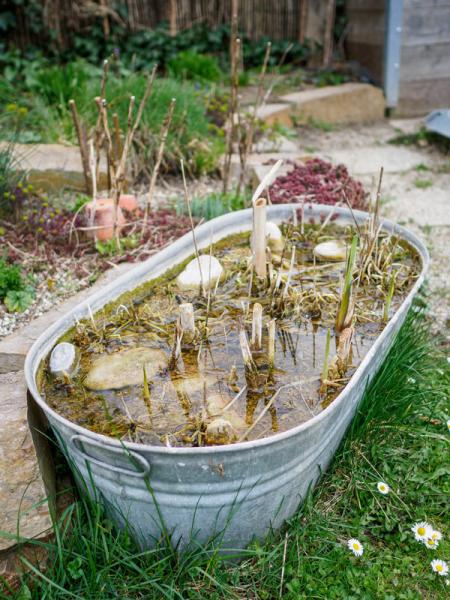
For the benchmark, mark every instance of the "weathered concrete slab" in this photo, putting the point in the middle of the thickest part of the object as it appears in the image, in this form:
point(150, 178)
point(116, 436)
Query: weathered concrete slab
point(277, 113)
point(368, 161)
point(340, 104)
point(407, 126)
point(51, 167)
point(14, 347)
point(22, 490)
point(279, 144)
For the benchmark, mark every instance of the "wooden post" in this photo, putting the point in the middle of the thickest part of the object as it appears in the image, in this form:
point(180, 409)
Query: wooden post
point(173, 17)
point(303, 9)
point(259, 237)
point(328, 34)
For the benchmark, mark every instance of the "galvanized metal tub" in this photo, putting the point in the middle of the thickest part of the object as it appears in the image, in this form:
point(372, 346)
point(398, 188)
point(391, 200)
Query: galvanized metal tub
point(237, 492)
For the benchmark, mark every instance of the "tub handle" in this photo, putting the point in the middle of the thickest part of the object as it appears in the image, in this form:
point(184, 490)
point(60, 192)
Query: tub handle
point(79, 440)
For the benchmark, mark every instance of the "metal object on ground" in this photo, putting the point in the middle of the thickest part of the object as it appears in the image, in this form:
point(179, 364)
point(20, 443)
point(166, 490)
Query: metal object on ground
point(438, 121)
point(242, 489)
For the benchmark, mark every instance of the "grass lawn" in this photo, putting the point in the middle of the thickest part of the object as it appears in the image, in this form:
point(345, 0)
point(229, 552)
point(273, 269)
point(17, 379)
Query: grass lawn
point(399, 436)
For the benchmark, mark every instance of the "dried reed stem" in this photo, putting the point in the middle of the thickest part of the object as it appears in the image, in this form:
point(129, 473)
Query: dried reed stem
point(246, 352)
point(81, 136)
point(188, 205)
point(271, 343)
point(257, 326)
point(259, 237)
point(163, 137)
point(187, 322)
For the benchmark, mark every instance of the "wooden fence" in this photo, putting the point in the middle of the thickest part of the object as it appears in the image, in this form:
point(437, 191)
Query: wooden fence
point(276, 19)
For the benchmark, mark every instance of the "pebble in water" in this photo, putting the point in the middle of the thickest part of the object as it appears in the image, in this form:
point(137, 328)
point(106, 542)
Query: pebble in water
point(121, 369)
point(63, 359)
point(332, 250)
point(274, 236)
point(211, 271)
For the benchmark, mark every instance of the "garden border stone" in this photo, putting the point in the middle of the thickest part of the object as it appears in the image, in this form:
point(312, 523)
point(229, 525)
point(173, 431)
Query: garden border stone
point(14, 347)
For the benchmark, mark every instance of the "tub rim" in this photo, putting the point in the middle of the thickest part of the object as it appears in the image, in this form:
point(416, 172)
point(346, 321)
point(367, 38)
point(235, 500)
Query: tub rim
point(36, 353)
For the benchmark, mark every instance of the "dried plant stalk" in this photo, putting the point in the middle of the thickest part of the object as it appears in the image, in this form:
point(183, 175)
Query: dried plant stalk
point(188, 204)
point(271, 343)
point(326, 359)
point(246, 352)
point(259, 237)
point(257, 326)
point(163, 137)
point(246, 148)
point(83, 146)
point(187, 322)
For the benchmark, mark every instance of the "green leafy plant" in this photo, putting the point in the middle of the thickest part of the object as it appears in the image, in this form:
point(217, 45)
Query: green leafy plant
point(423, 184)
point(199, 67)
point(16, 293)
point(110, 247)
point(213, 205)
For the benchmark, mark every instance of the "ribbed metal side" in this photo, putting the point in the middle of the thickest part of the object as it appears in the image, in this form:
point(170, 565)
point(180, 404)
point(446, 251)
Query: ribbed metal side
point(243, 489)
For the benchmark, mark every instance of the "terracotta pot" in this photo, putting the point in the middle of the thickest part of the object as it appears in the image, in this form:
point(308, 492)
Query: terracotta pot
point(128, 202)
point(104, 217)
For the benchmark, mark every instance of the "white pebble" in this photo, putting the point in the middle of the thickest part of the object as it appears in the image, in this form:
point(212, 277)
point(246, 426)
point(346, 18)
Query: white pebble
point(211, 271)
point(63, 359)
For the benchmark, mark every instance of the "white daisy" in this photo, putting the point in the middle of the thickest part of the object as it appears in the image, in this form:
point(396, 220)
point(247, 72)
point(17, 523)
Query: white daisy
point(422, 531)
point(431, 544)
point(355, 546)
point(440, 567)
point(411, 380)
point(436, 535)
point(448, 424)
point(383, 488)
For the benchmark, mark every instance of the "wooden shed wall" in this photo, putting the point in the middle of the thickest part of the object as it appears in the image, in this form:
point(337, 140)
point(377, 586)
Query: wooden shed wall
point(425, 58)
point(425, 54)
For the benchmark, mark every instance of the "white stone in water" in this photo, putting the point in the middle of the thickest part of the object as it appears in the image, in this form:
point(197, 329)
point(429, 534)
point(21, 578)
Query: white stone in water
point(332, 250)
point(63, 359)
point(124, 368)
point(274, 235)
point(190, 278)
point(220, 431)
point(215, 404)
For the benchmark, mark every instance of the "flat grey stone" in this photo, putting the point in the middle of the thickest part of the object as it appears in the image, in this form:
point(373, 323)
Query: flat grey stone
point(121, 369)
point(22, 489)
point(368, 161)
point(51, 167)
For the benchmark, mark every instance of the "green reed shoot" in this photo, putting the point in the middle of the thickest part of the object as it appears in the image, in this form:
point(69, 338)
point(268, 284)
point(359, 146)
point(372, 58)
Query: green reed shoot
point(347, 288)
point(390, 295)
point(327, 356)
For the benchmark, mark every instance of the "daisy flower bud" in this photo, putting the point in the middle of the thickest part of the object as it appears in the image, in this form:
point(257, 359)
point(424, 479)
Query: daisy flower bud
point(383, 488)
point(431, 544)
point(422, 531)
point(355, 546)
point(436, 535)
point(440, 567)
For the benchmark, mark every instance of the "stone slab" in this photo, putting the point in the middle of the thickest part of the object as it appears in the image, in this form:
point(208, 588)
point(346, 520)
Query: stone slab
point(279, 144)
point(22, 489)
point(369, 160)
point(51, 167)
point(341, 104)
point(14, 347)
point(276, 114)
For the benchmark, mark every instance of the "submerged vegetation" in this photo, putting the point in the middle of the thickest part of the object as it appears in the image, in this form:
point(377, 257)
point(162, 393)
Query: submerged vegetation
point(400, 436)
point(243, 349)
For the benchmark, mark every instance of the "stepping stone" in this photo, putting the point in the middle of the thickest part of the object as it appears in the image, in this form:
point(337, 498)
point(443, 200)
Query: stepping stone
point(338, 104)
point(22, 489)
point(368, 161)
point(51, 167)
point(121, 369)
